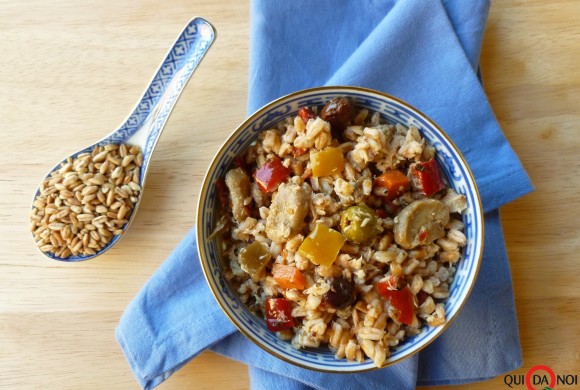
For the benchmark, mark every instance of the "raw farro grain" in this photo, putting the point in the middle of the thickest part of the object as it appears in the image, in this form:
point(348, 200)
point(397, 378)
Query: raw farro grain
point(85, 203)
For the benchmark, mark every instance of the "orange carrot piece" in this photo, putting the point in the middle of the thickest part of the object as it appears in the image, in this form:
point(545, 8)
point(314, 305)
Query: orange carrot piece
point(288, 277)
point(396, 183)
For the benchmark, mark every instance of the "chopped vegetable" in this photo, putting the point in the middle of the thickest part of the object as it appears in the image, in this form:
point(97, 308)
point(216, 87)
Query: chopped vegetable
point(278, 314)
point(396, 183)
point(327, 162)
point(423, 235)
point(421, 223)
point(271, 174)
point(297, 152)
point(322, 245)
point(402, 300)
point(306, 113)
point(341, 293)
point(426, 177)
point(288, 277)
point(254, 258)
point(359, 223)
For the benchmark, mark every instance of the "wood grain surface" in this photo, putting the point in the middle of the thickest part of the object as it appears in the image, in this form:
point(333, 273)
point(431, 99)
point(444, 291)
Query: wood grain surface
point(71, 71)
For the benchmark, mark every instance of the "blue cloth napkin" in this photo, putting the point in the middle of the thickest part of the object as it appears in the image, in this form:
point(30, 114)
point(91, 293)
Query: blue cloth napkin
point(425, 52)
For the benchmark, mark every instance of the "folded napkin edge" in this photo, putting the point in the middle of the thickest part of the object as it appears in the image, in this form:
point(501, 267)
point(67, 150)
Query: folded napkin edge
point(146, 381)
point(138, 373)
point(521, 185)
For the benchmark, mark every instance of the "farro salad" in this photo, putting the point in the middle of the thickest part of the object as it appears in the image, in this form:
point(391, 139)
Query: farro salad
point(340, 230)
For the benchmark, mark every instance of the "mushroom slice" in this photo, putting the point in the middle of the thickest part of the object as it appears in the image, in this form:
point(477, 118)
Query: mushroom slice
point(421, 223)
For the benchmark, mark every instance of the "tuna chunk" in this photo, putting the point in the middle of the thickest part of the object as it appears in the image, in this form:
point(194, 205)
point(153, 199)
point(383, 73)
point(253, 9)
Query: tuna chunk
point(287, 212)
point(238, 184)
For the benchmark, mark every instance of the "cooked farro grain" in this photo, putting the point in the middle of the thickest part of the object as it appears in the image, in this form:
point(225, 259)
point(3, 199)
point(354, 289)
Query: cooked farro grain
point(388, 247)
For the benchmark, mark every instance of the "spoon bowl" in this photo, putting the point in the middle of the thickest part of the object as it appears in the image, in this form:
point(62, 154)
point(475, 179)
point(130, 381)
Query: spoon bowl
point(144, 125)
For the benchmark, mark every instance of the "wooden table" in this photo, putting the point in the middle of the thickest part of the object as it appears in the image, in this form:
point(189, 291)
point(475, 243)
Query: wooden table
point(70, 72)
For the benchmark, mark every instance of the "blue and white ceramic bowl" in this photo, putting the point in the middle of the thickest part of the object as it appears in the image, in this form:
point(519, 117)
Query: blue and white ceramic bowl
point(392, 110)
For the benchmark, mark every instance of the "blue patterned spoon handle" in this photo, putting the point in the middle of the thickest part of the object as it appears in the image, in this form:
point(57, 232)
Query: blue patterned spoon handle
point(143, 127)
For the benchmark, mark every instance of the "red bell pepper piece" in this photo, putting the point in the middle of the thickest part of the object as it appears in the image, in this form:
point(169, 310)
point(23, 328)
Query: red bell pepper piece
point(278, 314)
point(402, 300)
point(426, 177)
point(422, 236)
point(271, 174)
point(389, 284)
point(306, 113)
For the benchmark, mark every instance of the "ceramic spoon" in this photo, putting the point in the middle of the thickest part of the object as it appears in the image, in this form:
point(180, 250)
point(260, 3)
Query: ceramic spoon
point(145, 124)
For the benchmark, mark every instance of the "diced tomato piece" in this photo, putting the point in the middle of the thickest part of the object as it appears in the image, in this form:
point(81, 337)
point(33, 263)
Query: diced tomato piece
point(222, 194)
point(271, 174)
point(426, 177)
point(278, 314)
point(396, 183)
point(402, 300)
point(306, 113)
point(288, 277)
point(297, 152)
point(381, 213)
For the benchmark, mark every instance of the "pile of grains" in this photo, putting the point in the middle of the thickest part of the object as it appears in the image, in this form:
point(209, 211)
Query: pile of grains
point(340, 230)
point(84, 203)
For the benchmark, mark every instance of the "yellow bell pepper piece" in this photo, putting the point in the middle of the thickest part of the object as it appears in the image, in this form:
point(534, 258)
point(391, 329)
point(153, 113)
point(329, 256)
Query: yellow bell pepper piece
point(322, 245)
point(327, 162)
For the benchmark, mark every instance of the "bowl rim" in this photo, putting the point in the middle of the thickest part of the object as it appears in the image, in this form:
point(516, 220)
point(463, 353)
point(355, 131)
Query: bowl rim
point(265, 108)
